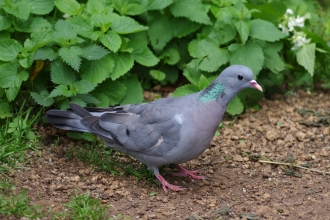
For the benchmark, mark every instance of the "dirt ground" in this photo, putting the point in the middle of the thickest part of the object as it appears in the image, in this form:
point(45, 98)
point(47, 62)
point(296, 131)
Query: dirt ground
point(289, 129)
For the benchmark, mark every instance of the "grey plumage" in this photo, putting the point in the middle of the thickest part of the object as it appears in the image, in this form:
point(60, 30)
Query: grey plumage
point(166, 131)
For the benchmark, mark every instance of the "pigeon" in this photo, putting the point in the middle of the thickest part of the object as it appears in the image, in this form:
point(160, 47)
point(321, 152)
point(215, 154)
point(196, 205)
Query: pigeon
point(166, 131)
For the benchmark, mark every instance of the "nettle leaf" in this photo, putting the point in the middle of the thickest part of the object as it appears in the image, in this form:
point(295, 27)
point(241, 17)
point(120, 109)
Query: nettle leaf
point(64, 30)
point(142, 54)
point(9, 49)
point(157, 74)
point(158, 4)
point(114, 90)
point(45, 53)
point(71, 56)
point(78, 101)
point(83, 26)
point(71, 7)
point(93, 52)
point(273, 60)
point(83, 86)
point(185, 90)
point(129, 7)
point(306, 57)
point(222, 32)
point(170, 56)
point(203, 82)
point(111, 40)
point(61, 90)
point(250, 55)
point(160, 30)
point(192, 73)
point(182, 27)
point(88, 98)
point(193, 10)
point(42, 98)
point(271, 11)
point(39, 24)
point(125, 25)
point(96, 71)
point(60, 73)
point(41, 7)
point(134, 93)
point(123, 62)
point(5, 22)
point(243, 28)
point(235, 106)
point(20, 9)
point(265, 30)
point(102, 98)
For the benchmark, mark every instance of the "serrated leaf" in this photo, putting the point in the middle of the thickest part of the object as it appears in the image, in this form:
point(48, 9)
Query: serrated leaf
point(71, 56)
point(96, 71)
point(78, 101)
point(20, 9)
point(306, 57)
point(5, 110)
point(61, 90)
point(134, 92)
point(71, 7)
point(203, 82)
point(250, 55)
point(114, 90)
point(193, 10)
point(126, 25)
point(88, 98)
point(157, 74)
point(222, 32)
point(39, 24)
point(42, 98)
point(60, 73)
point(9, 49)
point(160, 30)
point(192, 73)
point(64, 30)
point(273, 60)
point(185, 90)
point(41, 7)
point(235, 106)
point(170, 56)
point(93, 52)
point(111, 40)
point(129, 7)
point(158, 4)
point(83, 27)
point(102, 98)
point(123, 62)
point(271, 11)
point(83, 86)
point(182, 27)
point(142, 54)
point(45, 53)
point(243, 28)
point(5, 22)
point(265, 30)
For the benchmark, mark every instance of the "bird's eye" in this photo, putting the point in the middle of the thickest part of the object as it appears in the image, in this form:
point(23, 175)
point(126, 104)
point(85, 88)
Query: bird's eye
point(240, 77)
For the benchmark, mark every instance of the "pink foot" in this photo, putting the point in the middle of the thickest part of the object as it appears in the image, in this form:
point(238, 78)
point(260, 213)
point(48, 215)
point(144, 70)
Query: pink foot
point(184, 172)
point(167, 185)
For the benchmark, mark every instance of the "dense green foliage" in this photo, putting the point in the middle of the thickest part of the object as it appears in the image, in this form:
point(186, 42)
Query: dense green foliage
point(105, 52)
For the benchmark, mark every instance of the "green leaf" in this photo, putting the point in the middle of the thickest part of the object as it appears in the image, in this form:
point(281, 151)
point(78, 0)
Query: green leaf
point(5, 110)
point(61, 73)
point(71, 7)
point(170, 56)
point(71, 56)
point(45, 53)
point(265, 30)
point(123, 62)
point(11, 80)
point(88, 98)
point(272, 11)
point(102, 98)
point(185, 90)
point(93, 52)
point(134, 93)
point(142, 54)
point(250, 55)
point(5, 22)
point(192, 73)
point(114, 90)
point(64, 30)
point(222, 32)
point(306, 57)
point(235, 106)
point(182, 27)
point(157, 74)
point(158, 4)
point(19, 9)
point(97, 71)
point(39, 24)
point(273, 60)
point(127, 7)
point(243, 28)
point(203, 82)
point(61, 90)
point(193, 10)
point(160, 30)
point(111, 40)
point(42, 98)
point(9, 49)
point(83, 86)
point(83, 26)
point(78, 101)
point(41, 7)
point(126, 25)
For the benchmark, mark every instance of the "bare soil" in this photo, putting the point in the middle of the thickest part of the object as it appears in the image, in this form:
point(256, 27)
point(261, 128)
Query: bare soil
point(289, 129)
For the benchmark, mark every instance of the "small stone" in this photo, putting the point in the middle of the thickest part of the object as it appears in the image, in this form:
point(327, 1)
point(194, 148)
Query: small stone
point(262, 210)
point(60, 187)
point(266, 196)
point(300, 136)
point(325, 151)
point(66, 179)
point(94, 179)
point(271, 135)
point(75, 178)
point(326, 131)
point(165, 200)
point(267, 171)
point(238, 158)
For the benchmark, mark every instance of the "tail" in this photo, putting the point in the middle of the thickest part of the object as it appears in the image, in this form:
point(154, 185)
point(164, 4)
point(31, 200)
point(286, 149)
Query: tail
point(68, 119)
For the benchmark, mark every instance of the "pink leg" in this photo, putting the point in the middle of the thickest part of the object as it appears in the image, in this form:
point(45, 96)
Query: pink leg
point(184, 172)
point(166, 184)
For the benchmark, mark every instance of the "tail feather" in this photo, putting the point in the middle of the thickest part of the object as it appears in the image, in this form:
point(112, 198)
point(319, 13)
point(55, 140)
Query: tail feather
point(66, 120)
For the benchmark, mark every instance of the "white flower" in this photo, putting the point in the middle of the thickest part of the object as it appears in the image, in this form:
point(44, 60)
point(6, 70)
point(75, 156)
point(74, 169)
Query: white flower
point(299, 39)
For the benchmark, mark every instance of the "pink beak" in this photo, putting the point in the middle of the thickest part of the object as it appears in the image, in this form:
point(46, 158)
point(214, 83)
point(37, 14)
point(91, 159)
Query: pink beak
point(256, 85)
